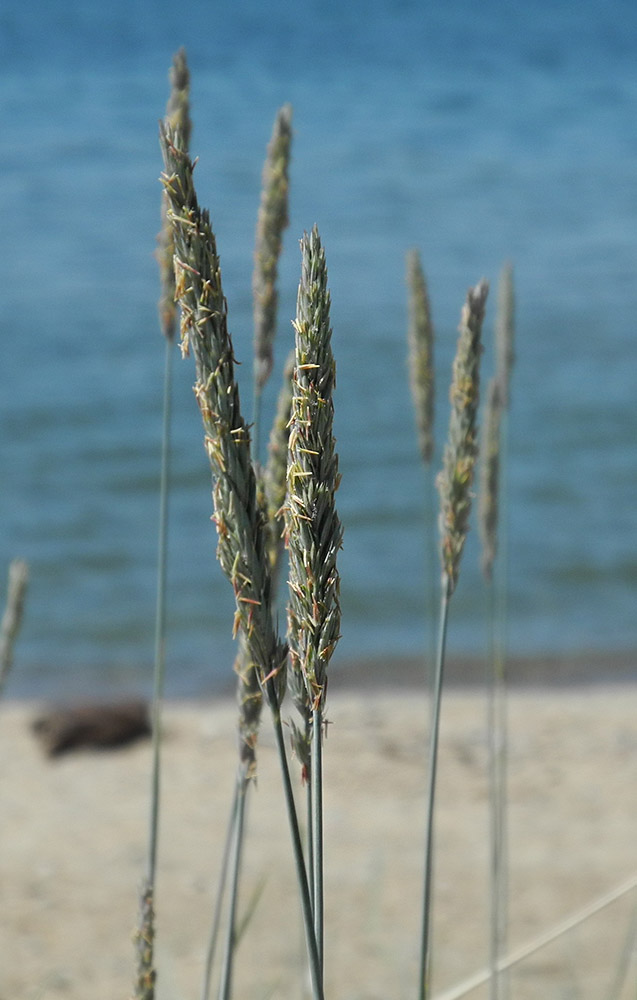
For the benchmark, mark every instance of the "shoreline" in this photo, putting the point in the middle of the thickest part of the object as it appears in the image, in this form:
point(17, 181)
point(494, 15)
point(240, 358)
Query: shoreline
point(380, 672)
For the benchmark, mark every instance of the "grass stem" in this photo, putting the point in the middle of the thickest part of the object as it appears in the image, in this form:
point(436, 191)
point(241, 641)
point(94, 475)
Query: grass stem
point(316, 780)
point(160, 614)
point(216, 918)
point(243, 780)
point(272, 220)
point(299, 861)
point(454, 485)
point(425, 950)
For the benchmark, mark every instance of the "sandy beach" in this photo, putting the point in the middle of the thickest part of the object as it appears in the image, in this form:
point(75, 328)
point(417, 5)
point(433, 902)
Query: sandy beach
point(73, 835)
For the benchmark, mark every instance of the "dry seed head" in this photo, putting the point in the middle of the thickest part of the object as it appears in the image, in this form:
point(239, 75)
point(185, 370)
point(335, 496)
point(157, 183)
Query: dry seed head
point(275, 473)
point(421, 368)
point(272, 220)
point(250, 701)
point(144, 945)
point(505, 332)
point(489, 478)
point(178, 117)
point(238, 514)
point(456, 477)
point(313, 530)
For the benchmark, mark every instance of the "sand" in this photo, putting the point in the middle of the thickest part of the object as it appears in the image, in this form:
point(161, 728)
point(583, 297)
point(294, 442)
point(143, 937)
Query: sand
point(73, 833)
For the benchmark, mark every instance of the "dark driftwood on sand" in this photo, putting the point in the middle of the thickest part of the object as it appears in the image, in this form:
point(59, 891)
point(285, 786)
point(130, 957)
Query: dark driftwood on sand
point(96, 726)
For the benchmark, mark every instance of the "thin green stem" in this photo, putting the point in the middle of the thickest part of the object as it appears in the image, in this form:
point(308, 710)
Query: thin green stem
point(306, 906)
point(216, 918)
point(225, 988)
point(496, 749)
point(626, 955)
point(255, 431)
point(498, 730)
point(145, 936)
point(12, 617)
point(532, 947)
point(309, 834)
point(160, 616)
point(425, 953)
point(317, 828)
point(431, 573)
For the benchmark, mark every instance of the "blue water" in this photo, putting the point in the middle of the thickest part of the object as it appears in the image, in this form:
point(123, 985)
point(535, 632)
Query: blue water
point(478, 133)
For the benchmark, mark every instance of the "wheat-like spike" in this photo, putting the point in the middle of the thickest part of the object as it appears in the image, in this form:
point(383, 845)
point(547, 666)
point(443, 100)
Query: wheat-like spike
point(489, 477)
point(239, 518)
point(275, 472)
point(272, 220)
point(144, 940)
point(420, 336)
point(314, 532)
point(178, 117)
point(250, 701)
point(505, 332)
point(456, 477)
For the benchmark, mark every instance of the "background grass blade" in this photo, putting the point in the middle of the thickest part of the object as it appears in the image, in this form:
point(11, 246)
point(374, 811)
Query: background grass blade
point(314, 532)
point(420, 340)
point(271, 222)
point(454, 485)
point(177, 112)
point(18, 579)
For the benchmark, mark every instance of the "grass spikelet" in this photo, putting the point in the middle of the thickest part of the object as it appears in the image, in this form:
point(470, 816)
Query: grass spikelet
point(456, 477)
point(313, 530)
point(178, 116)
point(144, 988)
point(454, 485)
point(272, 220)
point(275, 473)
point(12, 619)
point(505, 332)
point(489, 486)
point(420, 338)
point(420, 342)
point(238, 515)
point(312, 525)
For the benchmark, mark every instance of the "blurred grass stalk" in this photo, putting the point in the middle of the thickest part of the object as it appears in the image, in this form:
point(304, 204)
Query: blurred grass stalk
point(454, 486)
point(272, 220)
point(177, 113)
point(493, 531)
point(566, 926)
point(313, 530)
point(18, 579)
point(420, 340)
point(239, 516)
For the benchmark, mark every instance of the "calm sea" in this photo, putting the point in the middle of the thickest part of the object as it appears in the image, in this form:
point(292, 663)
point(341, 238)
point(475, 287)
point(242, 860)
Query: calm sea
point(478, 133)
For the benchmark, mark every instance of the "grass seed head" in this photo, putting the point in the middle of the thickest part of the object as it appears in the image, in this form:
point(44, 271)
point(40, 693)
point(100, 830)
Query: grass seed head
point(240, 519)
point(456, 477)
point(144, 943)
point(505, 332)
point(313, 530)
point(272, 220)
point(178, 117)
point(489, 479)
point(420, 339)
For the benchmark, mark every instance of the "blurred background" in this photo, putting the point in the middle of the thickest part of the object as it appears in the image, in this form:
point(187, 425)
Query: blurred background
point(478, 133)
